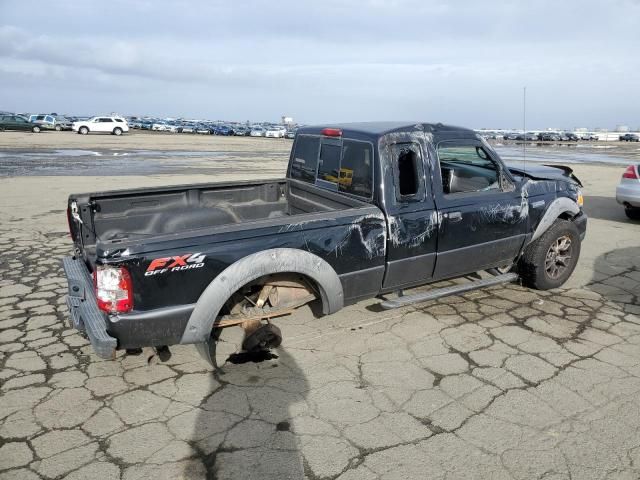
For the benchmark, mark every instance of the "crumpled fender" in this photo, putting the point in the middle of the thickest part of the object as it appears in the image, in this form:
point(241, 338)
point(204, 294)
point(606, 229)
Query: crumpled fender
point(247, 269)
point(554, 210)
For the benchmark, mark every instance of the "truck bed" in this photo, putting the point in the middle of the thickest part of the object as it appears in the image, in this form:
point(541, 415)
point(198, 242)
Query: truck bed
point(119, 219)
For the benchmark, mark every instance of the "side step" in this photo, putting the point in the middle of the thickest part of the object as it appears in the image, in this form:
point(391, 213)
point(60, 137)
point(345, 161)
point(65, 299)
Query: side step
point(446, 291)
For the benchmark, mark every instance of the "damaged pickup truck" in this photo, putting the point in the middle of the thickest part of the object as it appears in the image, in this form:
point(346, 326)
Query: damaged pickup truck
point(366, 210)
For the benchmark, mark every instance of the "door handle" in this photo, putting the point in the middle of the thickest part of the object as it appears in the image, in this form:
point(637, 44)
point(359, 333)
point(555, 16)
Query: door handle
point(454, 216)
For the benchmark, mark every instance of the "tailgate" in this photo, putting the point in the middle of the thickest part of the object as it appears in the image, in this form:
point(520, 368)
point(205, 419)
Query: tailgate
point(83, 307)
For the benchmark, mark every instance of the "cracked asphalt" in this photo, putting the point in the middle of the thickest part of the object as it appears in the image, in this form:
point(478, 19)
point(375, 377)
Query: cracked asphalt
point(499, 383)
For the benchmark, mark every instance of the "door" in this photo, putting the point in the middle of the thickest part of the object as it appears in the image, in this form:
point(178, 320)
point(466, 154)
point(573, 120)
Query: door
point(411, 216)
point(19, 123)
point(104, 125)
point(483, 214)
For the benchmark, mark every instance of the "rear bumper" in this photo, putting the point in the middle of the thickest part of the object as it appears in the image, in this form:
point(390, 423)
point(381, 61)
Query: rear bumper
point(83, 308)
point(628, 193)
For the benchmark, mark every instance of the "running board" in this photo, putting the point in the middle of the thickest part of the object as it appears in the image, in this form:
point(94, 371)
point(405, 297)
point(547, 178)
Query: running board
point(446, 291)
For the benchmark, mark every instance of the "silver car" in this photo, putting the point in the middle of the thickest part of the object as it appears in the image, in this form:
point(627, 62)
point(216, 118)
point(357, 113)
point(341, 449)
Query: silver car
point(628, 192)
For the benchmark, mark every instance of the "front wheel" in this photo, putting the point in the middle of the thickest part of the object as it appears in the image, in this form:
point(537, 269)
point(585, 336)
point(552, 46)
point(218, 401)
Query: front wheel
point(117, 131)
point(632, 213)
point(35, 129)
point(58, 128)
point(549, 261)
point(83, 130)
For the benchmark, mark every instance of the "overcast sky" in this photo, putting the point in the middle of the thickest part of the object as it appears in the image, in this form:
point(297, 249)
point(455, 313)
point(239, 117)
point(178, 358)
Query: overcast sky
point(460, 62)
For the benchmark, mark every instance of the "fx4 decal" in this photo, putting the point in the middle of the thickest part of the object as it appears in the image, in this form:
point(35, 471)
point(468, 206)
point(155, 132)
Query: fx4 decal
point(179, 263)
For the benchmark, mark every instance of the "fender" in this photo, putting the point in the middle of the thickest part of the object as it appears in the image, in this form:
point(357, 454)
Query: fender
point(247, 269)
point(556, 208)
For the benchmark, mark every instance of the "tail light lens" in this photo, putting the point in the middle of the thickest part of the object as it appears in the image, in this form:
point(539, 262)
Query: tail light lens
point(114, 289)
point(630, 172)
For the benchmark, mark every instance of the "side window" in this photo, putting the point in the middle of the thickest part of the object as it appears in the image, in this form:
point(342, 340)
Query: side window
point(105, 120)
point(118, 120)
point(305, 158)
point(356, 168)
point(408, 171)
point(329, 164)
point(467, 169)
point(49, 119)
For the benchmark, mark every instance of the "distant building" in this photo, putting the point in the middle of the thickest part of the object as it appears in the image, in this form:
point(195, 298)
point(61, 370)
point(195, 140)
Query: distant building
point(287, 120)
point(622, 128)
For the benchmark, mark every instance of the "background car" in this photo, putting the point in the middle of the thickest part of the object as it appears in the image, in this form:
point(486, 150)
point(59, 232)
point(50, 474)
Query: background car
point(290, 133)
point(274, 132)
point(589, 137)
point(241, 131)
point(629, 137)
point(113, 125)
point(46, 122)
point(16, 122)
point(570, 137)
point(257, 131)
point(510, 136)
point(628, 191)
point(548, 137)
point(527, 137)
point(62, 123)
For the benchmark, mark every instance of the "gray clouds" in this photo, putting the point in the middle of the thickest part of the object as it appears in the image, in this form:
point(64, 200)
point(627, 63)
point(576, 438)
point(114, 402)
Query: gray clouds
point(461, 62)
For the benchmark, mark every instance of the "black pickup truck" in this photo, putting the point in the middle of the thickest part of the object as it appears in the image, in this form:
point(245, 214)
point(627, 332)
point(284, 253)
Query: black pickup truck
point(366, 209)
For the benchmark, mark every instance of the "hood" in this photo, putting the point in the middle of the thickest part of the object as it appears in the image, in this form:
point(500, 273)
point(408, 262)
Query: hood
point(537, 171)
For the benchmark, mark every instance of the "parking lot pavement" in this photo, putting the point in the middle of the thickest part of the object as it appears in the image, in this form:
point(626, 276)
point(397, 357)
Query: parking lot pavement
point(500, 383)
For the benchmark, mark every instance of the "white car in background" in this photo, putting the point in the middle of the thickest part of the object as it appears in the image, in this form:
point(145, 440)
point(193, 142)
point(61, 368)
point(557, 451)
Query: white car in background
point(113, 125)
point(274, 132)
point(257, 132)
point(628, 192)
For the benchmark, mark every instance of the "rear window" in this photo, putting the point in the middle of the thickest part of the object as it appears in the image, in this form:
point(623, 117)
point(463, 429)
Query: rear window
point(305, 158)
point(329, 163)
point(348, 166)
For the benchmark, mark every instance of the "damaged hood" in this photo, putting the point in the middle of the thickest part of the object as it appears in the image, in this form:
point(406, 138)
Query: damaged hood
point(538, 171)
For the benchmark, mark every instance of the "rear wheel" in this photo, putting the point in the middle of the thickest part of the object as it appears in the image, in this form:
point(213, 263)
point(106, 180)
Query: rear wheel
point(35, 129)
point(117, 131)
point(550, 260)
point(632, 212)
point(58, 128)
point(83, 130)
point(243, 331)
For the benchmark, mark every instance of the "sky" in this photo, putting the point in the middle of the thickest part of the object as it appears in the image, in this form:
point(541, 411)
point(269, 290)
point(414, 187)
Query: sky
point(459, 62)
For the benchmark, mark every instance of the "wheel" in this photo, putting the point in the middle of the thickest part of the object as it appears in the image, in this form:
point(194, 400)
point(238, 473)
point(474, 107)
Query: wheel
point(58, 128)
point(83, 130)
point(117, 131)
point(550, 260)
point(632, 213)
point(1, 129)
point(35, 129)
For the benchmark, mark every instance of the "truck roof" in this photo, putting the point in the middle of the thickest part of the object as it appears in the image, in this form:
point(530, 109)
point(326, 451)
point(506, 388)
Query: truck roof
point(381, 128)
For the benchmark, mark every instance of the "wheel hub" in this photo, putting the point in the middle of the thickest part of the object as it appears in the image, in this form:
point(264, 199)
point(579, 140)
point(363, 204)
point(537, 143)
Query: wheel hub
point(558, 257)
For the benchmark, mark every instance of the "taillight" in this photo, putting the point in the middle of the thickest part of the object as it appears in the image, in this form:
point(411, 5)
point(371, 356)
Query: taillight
point(630, 172)
point(331, 132)
point(114, 289)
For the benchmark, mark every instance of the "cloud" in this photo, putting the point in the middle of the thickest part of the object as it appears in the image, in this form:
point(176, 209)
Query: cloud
point(330, 60)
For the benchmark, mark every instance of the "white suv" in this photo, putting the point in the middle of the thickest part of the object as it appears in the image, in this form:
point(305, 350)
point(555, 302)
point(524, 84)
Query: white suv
point(113, 125)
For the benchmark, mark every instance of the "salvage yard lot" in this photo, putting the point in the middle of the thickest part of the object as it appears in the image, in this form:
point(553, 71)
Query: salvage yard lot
point(499, 383)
